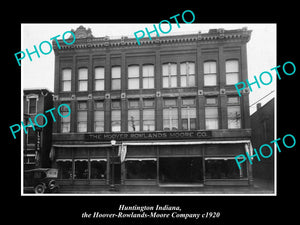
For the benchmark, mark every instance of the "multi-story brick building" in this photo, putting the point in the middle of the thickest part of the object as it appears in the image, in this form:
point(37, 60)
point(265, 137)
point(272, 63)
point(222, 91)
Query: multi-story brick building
point(165, 112)
point(37, 141)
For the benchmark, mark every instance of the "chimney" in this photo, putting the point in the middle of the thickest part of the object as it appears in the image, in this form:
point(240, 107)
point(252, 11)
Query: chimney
point(258, 106)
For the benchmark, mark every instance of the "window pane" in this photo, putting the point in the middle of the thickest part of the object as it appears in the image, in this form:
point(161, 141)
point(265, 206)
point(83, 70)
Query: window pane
point(66, 86)
point(66, 74)
point(148, 119)
point(210, 80)
point(133, 103)
point(233, 111)
point(183, 81)
point(133, 71)
point(66, 80)
point(211, 101)
point(183, 68)
point(232, 66)
point(173, 69)
point(99, 85)
point(115, 104)
point(191, 82)
point(116, 120)
point(211, 118)
point(98, 169)
point(133, 120)
point(233, 100)
point(81, 169)
point(234, 117)
point(99, 73)
point(224, 169)
point(64, 169)
point(32, 105)
point(83, 74)
point(83, 85)
point(116, 84)
point(165, 69)
point(99, 121)
point(148, 71)
point(173, 81)
point(170, 119)
point(211, 112)
point(82, 105)
point(211, 124)
point(82, 121)
point(99, 105)
point(232, 78)
point(116, 72)
point(165, 82)
point(148, 103)
point(148, 83)
point(191, 68)
point(144, 169)
point(188, 101)
point(170, 102)
point(133, 83)
point(210, 67)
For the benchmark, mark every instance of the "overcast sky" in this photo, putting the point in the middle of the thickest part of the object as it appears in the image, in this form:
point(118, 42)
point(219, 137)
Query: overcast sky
point(39, 72)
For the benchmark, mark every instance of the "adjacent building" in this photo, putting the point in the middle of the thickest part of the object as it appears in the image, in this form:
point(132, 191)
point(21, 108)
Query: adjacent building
point(262, 125)
point(165, 112)
point(37, 141)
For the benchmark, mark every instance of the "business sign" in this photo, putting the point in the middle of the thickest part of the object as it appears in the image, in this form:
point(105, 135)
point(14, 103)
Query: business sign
point(160, 135)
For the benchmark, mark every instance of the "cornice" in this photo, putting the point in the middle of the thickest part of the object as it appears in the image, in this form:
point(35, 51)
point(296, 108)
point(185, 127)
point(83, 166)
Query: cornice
point(213, 36)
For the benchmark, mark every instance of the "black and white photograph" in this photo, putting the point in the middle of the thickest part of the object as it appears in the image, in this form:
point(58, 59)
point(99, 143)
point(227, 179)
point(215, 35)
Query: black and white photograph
point(169, 115)
point(118, 114)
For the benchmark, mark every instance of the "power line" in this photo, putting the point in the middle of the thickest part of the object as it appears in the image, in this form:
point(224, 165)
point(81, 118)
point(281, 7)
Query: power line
point(261, 98)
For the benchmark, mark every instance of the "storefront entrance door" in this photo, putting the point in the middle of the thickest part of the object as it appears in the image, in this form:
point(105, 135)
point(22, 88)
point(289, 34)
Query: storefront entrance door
point(115, 170)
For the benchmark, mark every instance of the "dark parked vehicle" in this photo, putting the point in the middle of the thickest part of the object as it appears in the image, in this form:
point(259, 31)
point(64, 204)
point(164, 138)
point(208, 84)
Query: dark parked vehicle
point(41, 180)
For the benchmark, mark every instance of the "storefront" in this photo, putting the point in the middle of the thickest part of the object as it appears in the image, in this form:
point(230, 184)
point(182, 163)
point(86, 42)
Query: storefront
point(160, 162)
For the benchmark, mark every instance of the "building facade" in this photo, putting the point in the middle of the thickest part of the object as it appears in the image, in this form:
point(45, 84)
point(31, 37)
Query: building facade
point(37, 141)
point(262, 126)
point(165, 112)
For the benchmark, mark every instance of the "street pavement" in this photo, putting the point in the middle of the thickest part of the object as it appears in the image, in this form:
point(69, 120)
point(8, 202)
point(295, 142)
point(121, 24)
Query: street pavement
point(259, 187)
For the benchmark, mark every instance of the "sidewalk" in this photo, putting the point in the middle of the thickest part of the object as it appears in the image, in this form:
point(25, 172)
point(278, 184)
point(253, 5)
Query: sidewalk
point(259, 187)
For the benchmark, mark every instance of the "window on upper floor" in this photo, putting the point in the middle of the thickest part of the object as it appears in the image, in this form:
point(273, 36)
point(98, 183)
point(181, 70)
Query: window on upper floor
point(82, 79)
point(210, 73)
point(148, 115)
point(98, 116)
point(211, 113)
point(232, 72)
point(133, 115)
point(187, 74)
point(65, 120)
point(82, 117)
point(233, 112)
point(148, 76)
point(188, 114)
point(133, 77)
point(170, 114)
point(66, 80)
point(32, 105)
point(99, 79)
point(169, 72)
point(116, 116)
point(116, 78)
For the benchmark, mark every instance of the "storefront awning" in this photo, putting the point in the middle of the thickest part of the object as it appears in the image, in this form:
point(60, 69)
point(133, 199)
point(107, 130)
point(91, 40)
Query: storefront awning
point(187, 143)
point(81, 146)
point(140, 159)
